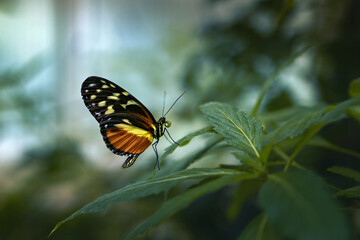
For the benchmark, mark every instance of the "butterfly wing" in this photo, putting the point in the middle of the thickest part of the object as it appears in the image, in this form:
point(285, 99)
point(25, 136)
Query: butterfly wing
point(127, 126)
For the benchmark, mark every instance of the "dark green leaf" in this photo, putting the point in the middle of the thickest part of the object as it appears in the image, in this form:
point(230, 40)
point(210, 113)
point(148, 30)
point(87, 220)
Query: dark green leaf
point(354, 89)
point(322, 142)
point(353, 192)
point(346, 172)
point(238, 128)
point(300, 123)
point(146, 188)
point(259, 229)
point(299, 206)
point(245, 189)
point(177, 203)
point(354, 112)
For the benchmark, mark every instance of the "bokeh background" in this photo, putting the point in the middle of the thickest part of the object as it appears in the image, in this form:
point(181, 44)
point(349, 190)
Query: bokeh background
point(52, 157)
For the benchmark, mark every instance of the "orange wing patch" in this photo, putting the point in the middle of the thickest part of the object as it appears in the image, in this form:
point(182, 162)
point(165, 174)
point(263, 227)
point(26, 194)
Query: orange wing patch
point(129, 139)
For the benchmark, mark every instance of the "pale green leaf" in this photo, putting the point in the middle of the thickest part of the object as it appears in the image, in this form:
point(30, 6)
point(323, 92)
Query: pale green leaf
point(283, 115)
point(300, 207)
point(293, 127)
point(238, 128)
point(335, 113)
point(246, 160)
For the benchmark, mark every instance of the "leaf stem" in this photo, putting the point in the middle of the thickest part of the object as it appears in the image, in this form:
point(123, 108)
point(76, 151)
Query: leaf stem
point(307, 137)
point(273, 77)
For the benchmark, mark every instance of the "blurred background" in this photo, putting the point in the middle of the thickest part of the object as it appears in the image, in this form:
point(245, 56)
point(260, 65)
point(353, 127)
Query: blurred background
point(52, 157)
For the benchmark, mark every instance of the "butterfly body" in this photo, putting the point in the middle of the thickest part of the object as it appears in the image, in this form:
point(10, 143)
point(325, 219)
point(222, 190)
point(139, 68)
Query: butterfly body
point(127, 126)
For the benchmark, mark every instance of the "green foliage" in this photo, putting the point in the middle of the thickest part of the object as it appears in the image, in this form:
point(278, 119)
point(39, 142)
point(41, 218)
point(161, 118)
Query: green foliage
point(185, 140)
point(146, 188)
point(238, 128)
point(294, 126)
point(259, 229)
point(352, 192)
point(354, 89)
point(346, 172)
point(173, 205)
point(295, 202)
point(299, 207)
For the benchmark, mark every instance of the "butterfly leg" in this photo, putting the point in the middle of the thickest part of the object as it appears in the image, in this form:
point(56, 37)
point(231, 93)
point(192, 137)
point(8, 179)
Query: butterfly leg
point(170, 136)
point(130, 160)
point(156, 152)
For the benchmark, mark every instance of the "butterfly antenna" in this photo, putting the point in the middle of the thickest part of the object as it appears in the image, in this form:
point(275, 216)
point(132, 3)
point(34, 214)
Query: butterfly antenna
point(174, 103)
point(163, 110)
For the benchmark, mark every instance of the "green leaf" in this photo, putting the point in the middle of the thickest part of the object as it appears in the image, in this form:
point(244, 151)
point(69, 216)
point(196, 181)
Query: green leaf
point(353, 192)
point(294, 127)
point(244, 190)
point(354, 112)
point(336, 112)
point(300, 207)
point(322, 142)
point(274, 76)
point(174, 166)
point(238, 128)
point(185, 140)
point(259, 229)
point(177, 203)
point(283, 115)
point(305, 138)
point(247, 161)
point(354, 89)
point(146, 188)
point(302, 122)
point(346, 172)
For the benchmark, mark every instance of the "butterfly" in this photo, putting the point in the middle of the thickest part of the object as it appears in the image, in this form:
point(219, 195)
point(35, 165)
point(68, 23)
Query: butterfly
point(127, 126)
